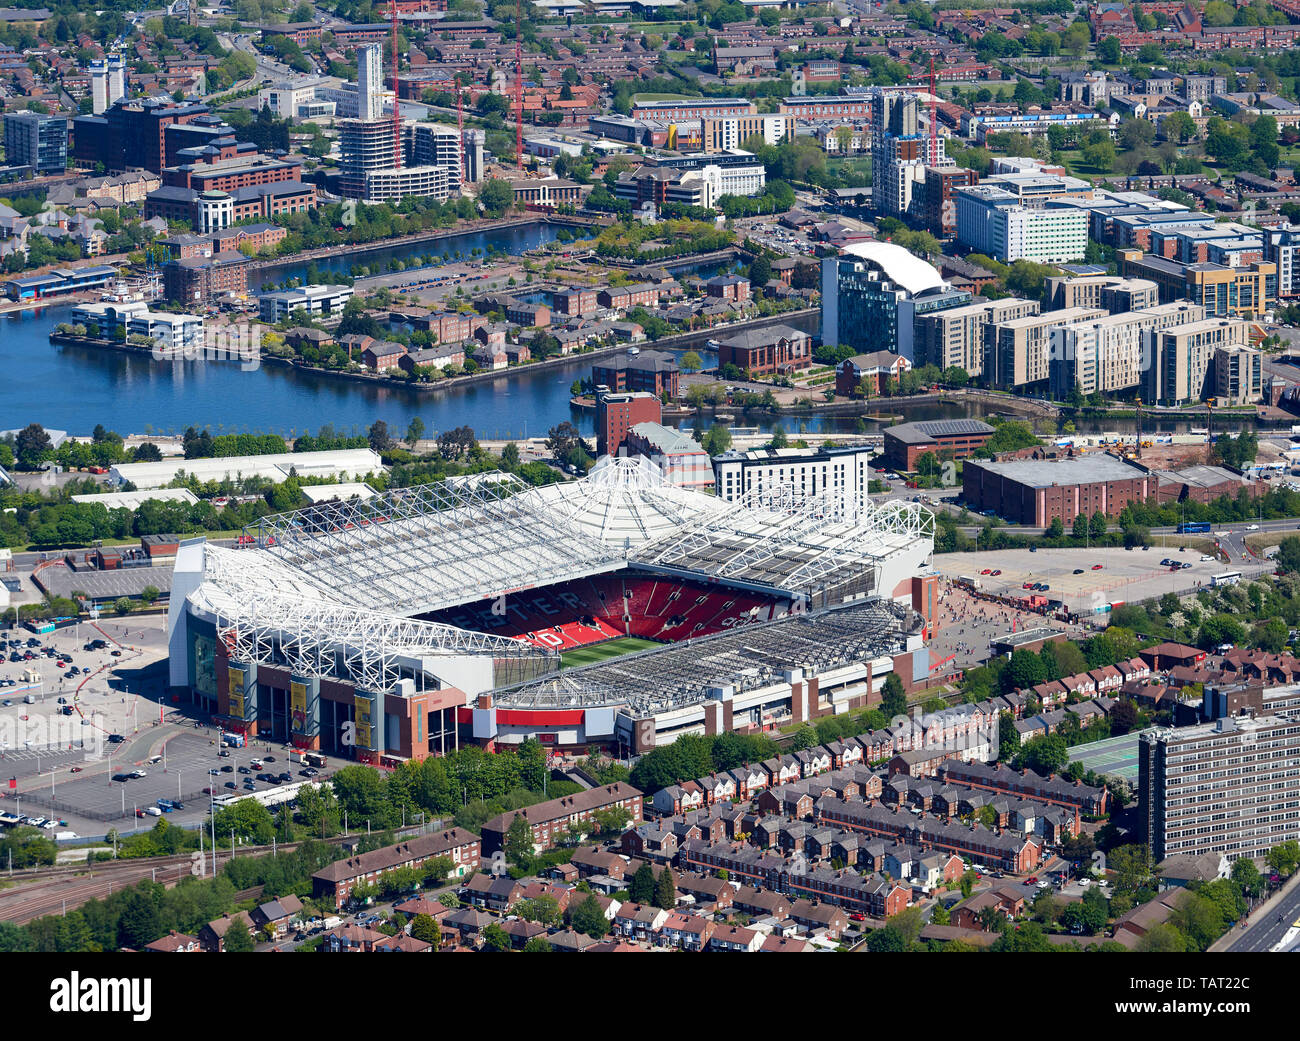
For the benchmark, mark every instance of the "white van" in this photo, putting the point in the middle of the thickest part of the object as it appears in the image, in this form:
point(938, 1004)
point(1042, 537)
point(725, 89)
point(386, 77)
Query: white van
point(29, 699)
point(153, 811)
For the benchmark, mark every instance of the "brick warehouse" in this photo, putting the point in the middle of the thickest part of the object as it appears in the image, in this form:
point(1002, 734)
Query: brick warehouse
point(907, 442)
point(1035, 492)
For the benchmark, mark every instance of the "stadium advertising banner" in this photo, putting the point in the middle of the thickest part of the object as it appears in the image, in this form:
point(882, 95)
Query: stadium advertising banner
point(298, 706)
point(365, 720)
point(236, 687)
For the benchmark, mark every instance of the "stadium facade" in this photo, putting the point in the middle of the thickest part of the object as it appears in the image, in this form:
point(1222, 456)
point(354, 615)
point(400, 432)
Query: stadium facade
point(332, 627)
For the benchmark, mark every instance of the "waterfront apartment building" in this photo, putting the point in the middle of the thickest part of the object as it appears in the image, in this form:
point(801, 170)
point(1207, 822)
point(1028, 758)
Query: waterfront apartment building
point(808, 470)
point(1225, 292)
point(1183, 365)
point(365, 145)
point(955, 336)
point(370, 82)
point(1238, 374)
point(993, 221)
point(1017, 351)
point(1109, 292)
point(617, 413)
point(315, 301)
point(1231, 786)
point(874, 292)
point(38, 141)
point(1111, 354)
point(654, 372)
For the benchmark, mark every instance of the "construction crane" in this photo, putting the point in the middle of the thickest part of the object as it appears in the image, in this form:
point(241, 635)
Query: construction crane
point(397, 118)
point(519, 84)
point(933, 157)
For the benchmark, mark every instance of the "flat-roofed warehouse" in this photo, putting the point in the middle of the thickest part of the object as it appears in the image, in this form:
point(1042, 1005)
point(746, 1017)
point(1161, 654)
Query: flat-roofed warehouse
point(1034, 492)
point(342, 463)
point(907, 442)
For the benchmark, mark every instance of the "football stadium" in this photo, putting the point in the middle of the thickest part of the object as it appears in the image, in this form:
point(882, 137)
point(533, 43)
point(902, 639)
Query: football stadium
point(618, 610)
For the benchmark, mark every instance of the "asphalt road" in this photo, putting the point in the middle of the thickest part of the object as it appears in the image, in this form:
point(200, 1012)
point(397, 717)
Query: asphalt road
point(1271, 926)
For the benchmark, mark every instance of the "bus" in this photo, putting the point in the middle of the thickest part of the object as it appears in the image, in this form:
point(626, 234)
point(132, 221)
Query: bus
point(1228, 578)
point(1193, 527)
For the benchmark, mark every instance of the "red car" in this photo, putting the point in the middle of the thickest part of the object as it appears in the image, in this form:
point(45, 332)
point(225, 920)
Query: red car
point(1027, 585)
point(987, 571)
point(1096, 567)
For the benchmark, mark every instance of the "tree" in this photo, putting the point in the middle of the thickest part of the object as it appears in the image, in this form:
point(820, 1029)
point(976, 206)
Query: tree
point(665, 890)
point(717, 439)
point(1178, 127)
point(893, 700)
point(1026, 669)
point(589, 917)
point(424, 927)
point(496, 196)
point(32, 446)
point(1284, 858)
point(1108, 51)
point(238, 939)
point(1080, 527)
point(537, 945)
point(519, 840)
point(642, 889)
point(414, 431)
point(886, 941)
point(1097, 525)
point(495, 938)
point(378, 436)
point(1288, 554)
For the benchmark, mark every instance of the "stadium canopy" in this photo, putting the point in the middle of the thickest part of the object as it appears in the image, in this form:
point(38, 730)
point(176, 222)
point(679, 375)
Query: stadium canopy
point(417, 550)
point(777, 539)
point(744, 658)
point(264, 612)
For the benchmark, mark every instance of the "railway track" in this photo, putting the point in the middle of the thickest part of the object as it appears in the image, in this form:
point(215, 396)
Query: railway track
point(61, 889)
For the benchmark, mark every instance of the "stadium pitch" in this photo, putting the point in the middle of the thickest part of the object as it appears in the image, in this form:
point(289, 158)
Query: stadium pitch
point(595, 652)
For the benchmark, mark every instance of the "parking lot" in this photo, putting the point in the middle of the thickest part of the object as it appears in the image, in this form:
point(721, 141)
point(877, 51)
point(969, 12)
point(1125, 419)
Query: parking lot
point(1085, 580)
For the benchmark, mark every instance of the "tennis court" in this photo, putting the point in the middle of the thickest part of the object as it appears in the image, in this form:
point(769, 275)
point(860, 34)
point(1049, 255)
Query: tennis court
point(595, 652)
point(1116, 757)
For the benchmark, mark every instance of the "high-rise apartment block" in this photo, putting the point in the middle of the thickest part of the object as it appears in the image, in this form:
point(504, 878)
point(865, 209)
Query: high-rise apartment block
point(1231, 786)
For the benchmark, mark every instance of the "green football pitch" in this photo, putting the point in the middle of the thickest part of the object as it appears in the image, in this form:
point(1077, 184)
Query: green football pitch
point(603, 651)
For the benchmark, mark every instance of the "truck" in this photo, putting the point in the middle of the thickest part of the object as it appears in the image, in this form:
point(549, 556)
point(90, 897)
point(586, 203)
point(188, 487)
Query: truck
point(233, 740)
point(332, 922)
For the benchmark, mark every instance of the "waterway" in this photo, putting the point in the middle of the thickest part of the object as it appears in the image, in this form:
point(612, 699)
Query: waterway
point(73, 388)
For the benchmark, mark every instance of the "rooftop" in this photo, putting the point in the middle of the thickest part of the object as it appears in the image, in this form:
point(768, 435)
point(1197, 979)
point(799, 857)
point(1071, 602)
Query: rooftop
point(1049, 473)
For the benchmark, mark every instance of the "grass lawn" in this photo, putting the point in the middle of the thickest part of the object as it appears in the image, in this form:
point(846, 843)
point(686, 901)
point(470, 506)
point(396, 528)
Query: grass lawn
point(595, 652)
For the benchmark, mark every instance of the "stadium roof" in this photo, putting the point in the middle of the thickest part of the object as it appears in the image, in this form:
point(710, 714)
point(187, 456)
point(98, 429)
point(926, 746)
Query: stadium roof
point(418, 550)
point(744, 658)
point(266, 612)
point(902, 267)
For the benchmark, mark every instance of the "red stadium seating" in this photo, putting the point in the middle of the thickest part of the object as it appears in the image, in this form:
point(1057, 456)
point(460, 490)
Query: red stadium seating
point(589, 610)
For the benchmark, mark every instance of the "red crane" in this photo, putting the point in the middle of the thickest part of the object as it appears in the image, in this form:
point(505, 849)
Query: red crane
point(397, 118)
point(933, 157)
point(519, 84)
